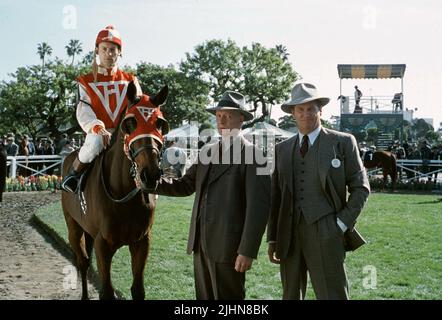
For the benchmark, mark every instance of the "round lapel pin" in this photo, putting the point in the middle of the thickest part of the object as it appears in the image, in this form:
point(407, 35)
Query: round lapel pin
point(336, 163)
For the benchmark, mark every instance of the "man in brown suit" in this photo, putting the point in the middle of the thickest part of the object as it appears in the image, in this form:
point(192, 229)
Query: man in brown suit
point(311, 224)
point(231, 207)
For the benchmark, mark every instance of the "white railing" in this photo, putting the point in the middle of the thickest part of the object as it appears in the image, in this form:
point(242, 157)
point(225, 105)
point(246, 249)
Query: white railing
point(371, 104)
point(48, 162)
point(414, 167)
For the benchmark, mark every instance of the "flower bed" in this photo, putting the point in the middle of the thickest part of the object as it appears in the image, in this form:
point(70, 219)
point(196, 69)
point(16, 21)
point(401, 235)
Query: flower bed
point(40, 183)
point(415, 185)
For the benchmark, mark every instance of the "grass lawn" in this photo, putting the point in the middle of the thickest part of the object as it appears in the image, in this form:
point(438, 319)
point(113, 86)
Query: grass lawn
point(403, 259)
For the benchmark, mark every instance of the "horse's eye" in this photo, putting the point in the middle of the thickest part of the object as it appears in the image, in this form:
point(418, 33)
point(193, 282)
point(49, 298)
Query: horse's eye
point(129, 125)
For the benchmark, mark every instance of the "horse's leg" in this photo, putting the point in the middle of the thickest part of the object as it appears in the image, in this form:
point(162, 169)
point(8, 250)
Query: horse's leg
point(104, 254)
point(139, 252)
point(89, 244)
point(385, 174)
point(393, 176)
point(79, 242)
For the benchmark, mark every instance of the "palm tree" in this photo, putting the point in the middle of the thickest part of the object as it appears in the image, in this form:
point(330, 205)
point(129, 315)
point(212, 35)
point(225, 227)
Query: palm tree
point(73, 48)
point(282, 50)
point(88, 58)
point(43, 49)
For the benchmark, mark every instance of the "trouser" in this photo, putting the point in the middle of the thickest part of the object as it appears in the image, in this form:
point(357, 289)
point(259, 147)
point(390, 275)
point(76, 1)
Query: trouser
point(319, 249)
point(216, 281)
point(93, 145)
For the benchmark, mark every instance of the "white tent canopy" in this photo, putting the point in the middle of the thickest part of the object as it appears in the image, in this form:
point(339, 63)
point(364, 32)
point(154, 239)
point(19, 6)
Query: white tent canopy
point(264, 128)
point(186, 131)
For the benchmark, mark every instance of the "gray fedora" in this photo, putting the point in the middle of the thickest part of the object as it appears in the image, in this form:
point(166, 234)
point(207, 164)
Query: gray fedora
point(232, 100)
point(302, 93)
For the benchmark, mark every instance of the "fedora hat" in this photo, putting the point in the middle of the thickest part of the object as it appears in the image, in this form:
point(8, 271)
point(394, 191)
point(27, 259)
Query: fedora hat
point(232, 100)
point(302, 93)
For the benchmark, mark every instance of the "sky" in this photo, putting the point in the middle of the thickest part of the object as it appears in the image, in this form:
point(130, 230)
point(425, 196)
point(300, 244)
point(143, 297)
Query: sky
point(319, 35)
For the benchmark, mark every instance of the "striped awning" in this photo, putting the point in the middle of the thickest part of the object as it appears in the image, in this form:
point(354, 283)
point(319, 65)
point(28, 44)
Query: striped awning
point(371, 71)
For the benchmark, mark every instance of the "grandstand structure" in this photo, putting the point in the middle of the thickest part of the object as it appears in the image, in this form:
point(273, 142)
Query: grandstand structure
point(384, 113)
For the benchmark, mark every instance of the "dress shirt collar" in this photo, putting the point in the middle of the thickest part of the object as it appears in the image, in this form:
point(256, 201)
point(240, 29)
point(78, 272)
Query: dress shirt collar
point(311, 136)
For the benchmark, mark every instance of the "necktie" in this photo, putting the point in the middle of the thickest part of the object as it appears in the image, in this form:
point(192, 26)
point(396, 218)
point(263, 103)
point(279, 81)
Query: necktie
point(304, 145)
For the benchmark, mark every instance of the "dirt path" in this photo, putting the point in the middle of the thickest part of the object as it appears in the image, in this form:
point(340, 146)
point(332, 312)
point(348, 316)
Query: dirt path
point(30, 266)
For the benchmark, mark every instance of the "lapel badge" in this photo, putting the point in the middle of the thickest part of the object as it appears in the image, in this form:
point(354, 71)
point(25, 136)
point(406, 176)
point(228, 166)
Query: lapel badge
point(336, 163)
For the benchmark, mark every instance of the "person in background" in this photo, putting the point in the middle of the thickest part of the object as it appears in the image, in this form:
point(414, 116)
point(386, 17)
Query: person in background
point(358, 96)
point(11, 147)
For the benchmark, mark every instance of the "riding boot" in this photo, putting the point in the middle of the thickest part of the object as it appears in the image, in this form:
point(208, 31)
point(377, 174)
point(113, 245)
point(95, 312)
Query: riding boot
point(70, 182)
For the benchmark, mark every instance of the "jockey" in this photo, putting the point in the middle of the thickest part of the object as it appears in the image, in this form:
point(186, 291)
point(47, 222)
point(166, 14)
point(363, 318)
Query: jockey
point(102, 98)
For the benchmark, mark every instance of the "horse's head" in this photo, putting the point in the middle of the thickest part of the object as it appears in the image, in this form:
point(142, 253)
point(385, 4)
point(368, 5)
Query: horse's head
point(143, 127)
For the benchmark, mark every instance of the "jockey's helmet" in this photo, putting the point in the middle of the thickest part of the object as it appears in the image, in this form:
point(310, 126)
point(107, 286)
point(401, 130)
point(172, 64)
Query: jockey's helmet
point(109, 34)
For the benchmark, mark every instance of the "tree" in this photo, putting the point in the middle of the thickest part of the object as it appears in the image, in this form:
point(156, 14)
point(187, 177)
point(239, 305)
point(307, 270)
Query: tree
point(287, 122)
point(267, 79)
point(420, 129)
point(88, 58)
point(263, 75)
point(215, 62)
point(74, 48)
point(360, 135)
point(372, 135)
point(188, 97)
point(326, 124)
point(43, 50)
point(432, 136)
point(282, 50)
point(38, 102)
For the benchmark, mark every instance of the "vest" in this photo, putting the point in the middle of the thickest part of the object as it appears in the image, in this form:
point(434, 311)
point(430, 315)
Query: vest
point(107, 95)
point(310, 200)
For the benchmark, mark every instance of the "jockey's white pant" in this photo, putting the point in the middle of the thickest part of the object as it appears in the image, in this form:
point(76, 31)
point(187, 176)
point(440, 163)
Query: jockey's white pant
point(92, 146)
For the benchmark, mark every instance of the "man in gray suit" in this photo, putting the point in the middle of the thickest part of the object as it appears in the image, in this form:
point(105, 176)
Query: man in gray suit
point(231, 207)
point(311, 224)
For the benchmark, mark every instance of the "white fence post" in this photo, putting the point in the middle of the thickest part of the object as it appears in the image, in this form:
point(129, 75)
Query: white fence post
point(13, 163)
point(50, 161)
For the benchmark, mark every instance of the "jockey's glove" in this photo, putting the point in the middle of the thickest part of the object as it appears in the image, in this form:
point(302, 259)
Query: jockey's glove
point(106, 135)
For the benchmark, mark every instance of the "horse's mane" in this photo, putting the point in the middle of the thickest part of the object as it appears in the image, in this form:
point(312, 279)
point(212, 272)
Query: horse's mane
point(117, 128)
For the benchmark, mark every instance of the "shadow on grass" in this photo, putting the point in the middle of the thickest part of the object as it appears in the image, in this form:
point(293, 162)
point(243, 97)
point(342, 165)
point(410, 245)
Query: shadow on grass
point(59, 244)
point(430, 202)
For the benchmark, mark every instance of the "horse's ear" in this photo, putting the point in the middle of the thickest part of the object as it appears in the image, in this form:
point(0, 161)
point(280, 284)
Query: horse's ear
point(160, 97)
point(131, 93)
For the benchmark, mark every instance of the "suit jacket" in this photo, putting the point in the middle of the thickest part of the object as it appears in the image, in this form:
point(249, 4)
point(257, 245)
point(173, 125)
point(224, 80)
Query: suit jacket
point(350, 176)
point(237, 204)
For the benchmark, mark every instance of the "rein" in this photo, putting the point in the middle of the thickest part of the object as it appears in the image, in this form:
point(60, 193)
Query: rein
point(126, 198)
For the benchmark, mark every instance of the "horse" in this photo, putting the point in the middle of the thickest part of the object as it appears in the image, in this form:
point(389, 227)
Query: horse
point(385, 160)
point(114, 208)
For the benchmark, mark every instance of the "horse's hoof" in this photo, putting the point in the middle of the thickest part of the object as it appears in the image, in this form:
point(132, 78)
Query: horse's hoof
point(111, 296)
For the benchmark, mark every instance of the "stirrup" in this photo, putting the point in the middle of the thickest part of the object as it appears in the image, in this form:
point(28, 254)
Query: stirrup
point(70, 183)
